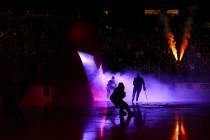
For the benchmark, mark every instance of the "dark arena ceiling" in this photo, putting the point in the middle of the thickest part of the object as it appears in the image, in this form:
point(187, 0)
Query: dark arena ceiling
point(94, 4)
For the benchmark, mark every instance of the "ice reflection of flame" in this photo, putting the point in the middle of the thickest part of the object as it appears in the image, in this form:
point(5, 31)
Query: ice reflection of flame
point(179, 131)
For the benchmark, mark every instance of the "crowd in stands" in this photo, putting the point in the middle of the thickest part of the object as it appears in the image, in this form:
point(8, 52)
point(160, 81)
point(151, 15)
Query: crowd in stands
point(35, 34)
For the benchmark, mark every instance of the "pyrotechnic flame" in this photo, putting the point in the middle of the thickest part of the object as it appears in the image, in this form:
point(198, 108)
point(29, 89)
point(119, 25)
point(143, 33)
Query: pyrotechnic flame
point(184, 45)
point(172, 44)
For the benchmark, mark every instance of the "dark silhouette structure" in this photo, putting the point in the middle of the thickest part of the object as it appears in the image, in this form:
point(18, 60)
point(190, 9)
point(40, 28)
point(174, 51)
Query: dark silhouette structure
point(138, 82)
point(16, 78)
point(117, 99)
point(22, 86)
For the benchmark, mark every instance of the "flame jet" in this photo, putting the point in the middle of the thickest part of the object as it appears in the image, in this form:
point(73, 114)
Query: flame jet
point(172, 44)
point(187, 29)
point(184, 45)
point(186, 37)
point(169, 35)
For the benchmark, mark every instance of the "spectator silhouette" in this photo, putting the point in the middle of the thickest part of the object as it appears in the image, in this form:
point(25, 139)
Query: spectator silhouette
point(117, 99)
point(137, 83)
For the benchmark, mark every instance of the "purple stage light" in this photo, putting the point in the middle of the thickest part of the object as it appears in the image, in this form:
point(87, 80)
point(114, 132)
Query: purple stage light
point(87, 59)
point(157, 91)
point(98, 80)
point(95, 76)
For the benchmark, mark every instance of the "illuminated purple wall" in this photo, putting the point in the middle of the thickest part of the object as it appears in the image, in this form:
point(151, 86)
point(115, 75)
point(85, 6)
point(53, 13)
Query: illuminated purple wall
point(157, 91)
